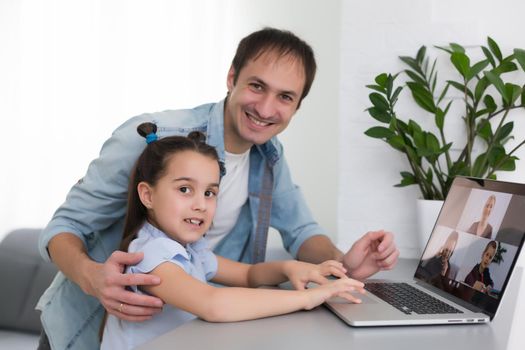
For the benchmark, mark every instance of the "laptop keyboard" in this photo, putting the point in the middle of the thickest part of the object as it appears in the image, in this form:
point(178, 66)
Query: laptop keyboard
point(408, 299)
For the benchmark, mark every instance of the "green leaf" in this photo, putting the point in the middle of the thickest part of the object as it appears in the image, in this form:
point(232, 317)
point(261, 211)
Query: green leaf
point(432, 142)
point(445, 148)
point(439, 118)
point(381, 116)
point(477, 68)
point(512, 92)
point(481, 112)
point(520, 57)
point(481, 86)
point(407, 140)
point(508, 165)
point(457, 48)
point(489, 103)
point(401, 125)
point(397, 143)
point(413, 126)
point(443, 93)
point(494, 48)
point(381, 79)
point(480, 167)
point(458, 168)
point(389, 85)
point(489, 56)
point(422, 97)
point(379, 101)
point(406, 179)
point(485, 130)
point(377, 88)
point(505, 131)
point(505, 67)
point(429, 175)
point(421, 54)
point(461, 62)
point(496, 154)
point(523, 96)
point(393, 98)
point(498, 83)
point(412, 63)
point(415, 77)
point(419, 139)
point(380, 132)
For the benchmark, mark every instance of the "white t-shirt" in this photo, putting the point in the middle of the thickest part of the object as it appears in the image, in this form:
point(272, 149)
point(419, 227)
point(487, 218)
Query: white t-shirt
point(233, 193)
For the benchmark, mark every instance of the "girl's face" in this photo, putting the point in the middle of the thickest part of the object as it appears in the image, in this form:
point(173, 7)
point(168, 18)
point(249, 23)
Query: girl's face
point(183, 201)
point(487, 256)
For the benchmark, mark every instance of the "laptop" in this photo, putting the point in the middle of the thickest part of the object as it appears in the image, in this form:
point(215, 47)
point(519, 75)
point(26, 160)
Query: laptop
point(464, 269)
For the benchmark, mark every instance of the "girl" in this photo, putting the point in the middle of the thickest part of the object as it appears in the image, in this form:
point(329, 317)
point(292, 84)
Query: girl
point(172, 198)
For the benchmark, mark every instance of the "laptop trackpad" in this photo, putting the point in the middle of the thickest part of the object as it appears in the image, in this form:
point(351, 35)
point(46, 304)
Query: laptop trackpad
point(365, 299)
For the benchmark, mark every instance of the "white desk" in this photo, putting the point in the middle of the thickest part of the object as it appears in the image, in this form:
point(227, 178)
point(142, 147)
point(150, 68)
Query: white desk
point(320, 329)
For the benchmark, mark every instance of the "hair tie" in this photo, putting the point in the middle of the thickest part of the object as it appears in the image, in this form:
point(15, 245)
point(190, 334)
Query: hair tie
point(151, 137)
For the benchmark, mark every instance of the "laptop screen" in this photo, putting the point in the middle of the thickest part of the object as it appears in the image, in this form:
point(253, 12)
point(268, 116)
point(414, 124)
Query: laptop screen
point(476, 241)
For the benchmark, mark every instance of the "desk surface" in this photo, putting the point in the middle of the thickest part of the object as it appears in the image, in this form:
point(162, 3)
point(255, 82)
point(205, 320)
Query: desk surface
point(319, 328)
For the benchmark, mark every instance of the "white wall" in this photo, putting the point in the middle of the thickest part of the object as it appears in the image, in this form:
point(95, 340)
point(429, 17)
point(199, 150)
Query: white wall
point(373, 34)
point(72, 71)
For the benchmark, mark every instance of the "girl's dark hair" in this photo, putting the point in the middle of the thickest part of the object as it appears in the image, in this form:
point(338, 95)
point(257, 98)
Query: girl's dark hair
point(151, 166)
point(282, 42)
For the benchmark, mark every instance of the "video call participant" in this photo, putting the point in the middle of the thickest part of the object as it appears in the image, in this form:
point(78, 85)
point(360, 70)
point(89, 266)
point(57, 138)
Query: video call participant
point(479, 278)
point(434, 269)
point(482, 228)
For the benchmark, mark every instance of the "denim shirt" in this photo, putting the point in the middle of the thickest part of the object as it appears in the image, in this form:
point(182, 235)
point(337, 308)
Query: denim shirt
point(95, 207)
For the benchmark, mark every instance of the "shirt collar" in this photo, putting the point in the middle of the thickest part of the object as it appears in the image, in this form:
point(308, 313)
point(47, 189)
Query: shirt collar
point(154, 232)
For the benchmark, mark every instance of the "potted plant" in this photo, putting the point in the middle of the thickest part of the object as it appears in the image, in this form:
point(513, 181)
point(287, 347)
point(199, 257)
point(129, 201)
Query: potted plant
point(487, 98)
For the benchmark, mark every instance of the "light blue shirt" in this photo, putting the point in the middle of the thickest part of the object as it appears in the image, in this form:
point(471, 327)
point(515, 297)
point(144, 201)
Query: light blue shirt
point(95, 207)
point(196, 259)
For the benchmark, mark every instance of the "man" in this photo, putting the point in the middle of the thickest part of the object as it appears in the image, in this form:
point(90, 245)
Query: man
point(271, 73)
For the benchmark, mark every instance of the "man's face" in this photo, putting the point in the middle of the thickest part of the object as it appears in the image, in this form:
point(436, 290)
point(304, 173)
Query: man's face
point(262, 102)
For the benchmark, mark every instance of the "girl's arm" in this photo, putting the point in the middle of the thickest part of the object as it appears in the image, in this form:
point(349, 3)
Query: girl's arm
point(236, 304)
point(233, 273)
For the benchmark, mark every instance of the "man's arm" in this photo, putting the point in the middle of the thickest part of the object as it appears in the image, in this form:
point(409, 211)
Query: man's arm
point(373, 252)
point(317, 249)
point(105, 281)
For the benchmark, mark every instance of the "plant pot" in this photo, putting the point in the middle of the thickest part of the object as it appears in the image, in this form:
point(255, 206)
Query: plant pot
point(427, 212)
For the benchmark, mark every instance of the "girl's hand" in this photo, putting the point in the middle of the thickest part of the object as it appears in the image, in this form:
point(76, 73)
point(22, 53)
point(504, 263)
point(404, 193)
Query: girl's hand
point(300, 273)
point(337, 288)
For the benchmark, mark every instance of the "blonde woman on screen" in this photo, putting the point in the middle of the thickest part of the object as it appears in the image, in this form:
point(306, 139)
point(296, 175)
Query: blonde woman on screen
point(482, 228)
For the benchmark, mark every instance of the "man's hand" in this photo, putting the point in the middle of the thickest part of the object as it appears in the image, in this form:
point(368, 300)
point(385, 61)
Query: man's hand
point(373, 252)
point(107, 283)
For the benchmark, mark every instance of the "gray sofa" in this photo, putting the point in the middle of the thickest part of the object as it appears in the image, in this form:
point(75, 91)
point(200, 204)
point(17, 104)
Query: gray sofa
point(25, 276)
